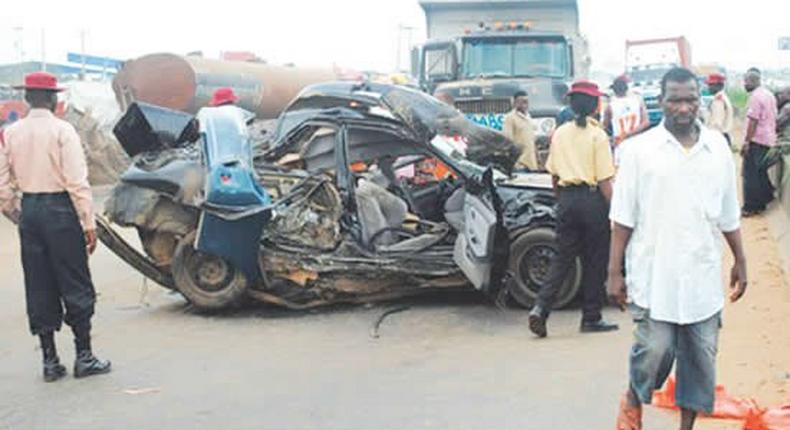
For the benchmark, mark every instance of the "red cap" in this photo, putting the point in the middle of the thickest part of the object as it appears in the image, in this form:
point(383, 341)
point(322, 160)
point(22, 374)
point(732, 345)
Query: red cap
point(40, 81)
point(223, 96)
point(585, 87)
point(715, 78)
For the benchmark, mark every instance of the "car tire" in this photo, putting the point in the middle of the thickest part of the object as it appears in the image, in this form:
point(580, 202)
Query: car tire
point(207, 281)
point(537, 247)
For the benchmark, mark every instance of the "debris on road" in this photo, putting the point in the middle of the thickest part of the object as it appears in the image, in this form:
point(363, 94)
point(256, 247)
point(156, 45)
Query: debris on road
point(754, 416)
point(141, 391)
point(91, 109)
point(374, 331)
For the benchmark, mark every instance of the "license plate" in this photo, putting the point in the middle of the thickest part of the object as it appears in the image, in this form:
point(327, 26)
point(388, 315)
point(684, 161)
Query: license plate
point(490, 120)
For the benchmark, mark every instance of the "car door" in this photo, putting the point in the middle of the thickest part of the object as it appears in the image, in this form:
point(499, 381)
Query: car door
point(481, 248)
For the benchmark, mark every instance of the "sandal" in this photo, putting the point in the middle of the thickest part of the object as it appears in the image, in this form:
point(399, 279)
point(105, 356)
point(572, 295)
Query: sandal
point(629, 417)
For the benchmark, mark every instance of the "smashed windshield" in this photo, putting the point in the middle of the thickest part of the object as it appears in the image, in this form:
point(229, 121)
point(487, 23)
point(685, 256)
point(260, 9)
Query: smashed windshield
point(454, 148)
point(510, 57)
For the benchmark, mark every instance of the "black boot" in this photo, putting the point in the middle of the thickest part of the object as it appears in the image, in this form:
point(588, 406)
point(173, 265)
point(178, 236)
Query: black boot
point(537, 321)
point(53, 370)
point(86, 363)
point(598, 326)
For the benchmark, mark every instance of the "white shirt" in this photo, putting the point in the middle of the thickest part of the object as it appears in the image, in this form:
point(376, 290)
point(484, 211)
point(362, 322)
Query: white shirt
point(677, 202)
point(720, 115)
point(626, 113)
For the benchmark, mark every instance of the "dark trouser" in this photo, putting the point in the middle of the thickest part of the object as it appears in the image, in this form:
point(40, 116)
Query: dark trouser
point(582, 229)
point(728, 139)
point(55, 263)
point(757, 188)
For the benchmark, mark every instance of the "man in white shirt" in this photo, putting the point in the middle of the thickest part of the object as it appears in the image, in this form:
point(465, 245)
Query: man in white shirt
point(675, 194)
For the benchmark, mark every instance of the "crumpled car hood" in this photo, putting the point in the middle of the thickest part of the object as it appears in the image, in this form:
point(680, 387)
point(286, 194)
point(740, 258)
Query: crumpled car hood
point(421, 115)
point(428, 117)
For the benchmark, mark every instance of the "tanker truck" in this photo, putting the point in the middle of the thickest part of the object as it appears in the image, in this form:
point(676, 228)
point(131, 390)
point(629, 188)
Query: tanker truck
point(185, 83)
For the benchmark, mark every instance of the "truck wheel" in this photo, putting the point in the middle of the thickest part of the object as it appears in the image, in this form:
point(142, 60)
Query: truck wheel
point(531, 254)
point(207, 281)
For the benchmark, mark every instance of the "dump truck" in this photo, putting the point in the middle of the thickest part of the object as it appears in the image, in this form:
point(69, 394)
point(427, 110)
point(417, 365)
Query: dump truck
point(482, 52)
point(646, 62)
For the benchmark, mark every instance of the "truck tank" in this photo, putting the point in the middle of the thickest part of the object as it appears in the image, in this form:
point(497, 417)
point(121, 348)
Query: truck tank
point(186, 83)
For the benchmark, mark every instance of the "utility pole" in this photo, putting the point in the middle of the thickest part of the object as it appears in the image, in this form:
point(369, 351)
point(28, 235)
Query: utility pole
point(401, 29)
point(82, 52)
point(43, 50)
point(20, 51)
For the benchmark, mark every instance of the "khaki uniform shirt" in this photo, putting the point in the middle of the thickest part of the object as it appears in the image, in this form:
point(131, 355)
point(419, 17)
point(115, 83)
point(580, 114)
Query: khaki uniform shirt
point(720, 113)
point(43, 154)
point(580, 156)
point(518, 127)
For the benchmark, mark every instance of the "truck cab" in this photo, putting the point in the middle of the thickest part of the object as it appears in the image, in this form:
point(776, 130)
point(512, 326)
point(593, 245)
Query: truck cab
point(647, 61)
point(483, 65)
point(646, 82)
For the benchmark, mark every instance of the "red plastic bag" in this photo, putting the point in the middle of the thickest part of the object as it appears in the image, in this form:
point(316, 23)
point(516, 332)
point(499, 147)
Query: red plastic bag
point(771, 419)
point(728, 407)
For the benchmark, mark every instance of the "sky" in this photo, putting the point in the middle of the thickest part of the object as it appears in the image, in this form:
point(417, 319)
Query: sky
point(364, 34)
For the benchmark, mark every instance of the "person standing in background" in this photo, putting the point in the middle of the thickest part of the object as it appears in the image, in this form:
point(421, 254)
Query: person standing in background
point(719, 115)
point(518, 127)
point(625, 115)
point(759, 137)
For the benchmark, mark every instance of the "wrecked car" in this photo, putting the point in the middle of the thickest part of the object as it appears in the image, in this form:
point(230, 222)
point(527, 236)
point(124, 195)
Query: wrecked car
point(362, 192)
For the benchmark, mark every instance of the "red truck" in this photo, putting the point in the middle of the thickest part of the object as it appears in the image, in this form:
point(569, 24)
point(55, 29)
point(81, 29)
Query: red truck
point(647, 60)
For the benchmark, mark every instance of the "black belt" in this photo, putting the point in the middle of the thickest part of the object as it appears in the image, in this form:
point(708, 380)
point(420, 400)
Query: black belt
point(579, 187)
point(46, 196)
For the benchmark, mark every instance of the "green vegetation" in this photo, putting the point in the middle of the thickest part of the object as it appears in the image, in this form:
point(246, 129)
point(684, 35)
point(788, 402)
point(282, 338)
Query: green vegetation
point(738, 98)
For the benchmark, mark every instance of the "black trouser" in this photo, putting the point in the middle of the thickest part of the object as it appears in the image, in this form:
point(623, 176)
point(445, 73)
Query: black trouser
point(757, 188)
point(582, 229)
point(55, 263)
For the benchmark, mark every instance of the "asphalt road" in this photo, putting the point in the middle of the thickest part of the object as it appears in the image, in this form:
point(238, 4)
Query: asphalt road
point(448, 362)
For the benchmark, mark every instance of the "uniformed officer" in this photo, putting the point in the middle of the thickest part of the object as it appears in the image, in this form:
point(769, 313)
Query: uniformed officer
point(223, 96)
point(43, 161)
point(720, 115)
point(518, 127)
point(580, 162)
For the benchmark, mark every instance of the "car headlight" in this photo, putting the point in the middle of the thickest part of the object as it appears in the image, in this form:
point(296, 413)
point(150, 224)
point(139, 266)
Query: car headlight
point(545, 125)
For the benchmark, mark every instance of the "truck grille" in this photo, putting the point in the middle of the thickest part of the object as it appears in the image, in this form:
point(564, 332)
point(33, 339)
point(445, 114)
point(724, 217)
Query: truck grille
point(651, 102)
point(653, 106)
point(484, 106)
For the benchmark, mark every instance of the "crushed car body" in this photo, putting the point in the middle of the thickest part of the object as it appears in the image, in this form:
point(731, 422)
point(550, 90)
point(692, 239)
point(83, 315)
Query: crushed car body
point(366, 192)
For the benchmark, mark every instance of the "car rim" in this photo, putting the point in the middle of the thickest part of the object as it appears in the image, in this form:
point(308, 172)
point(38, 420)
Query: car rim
point(535, 265)
point(209, 273)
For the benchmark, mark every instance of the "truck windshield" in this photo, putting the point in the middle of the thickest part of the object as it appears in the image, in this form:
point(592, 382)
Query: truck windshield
point(494, 57)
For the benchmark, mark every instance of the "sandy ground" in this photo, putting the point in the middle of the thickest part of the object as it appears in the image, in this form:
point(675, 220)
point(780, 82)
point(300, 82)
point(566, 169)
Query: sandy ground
point(449, 362)
point(754, 353)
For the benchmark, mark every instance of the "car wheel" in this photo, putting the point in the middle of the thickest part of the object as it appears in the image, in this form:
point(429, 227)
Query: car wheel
point(207, 281)
point(531, 254)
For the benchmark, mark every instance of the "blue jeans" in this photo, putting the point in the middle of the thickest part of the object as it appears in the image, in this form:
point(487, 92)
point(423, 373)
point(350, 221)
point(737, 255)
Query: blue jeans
point(690, 347)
